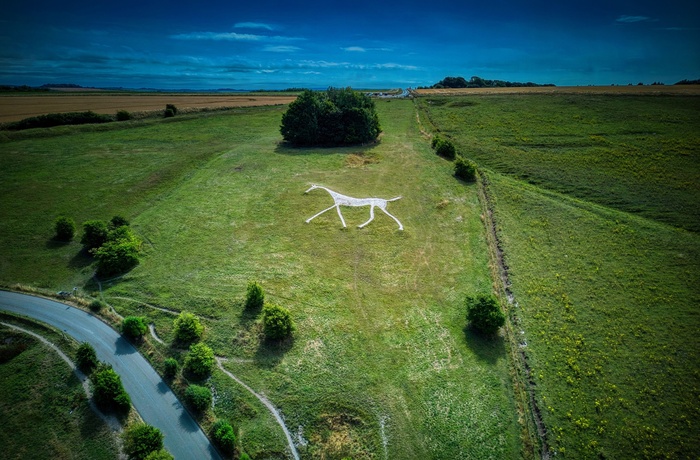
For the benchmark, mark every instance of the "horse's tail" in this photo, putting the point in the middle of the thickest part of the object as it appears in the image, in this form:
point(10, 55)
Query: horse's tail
point(394, 199)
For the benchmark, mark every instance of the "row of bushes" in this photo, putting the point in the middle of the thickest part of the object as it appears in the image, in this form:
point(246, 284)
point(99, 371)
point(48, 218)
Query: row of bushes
point(77, 118)
point(464, 169)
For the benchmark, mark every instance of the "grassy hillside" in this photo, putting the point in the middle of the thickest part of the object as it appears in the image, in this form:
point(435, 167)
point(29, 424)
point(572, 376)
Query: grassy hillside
point(43, 407)
point(381, 366)
point(607, 300)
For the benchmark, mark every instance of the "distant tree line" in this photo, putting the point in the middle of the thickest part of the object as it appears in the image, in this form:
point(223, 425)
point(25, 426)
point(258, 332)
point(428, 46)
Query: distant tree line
point(688, 82)
point(478, 82)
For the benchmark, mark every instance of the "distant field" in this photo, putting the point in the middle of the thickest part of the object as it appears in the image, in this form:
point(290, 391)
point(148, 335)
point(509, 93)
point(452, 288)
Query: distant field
point(16, 107)
point(681, 90)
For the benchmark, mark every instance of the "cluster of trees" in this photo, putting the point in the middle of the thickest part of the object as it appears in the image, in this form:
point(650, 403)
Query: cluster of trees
point(144, 442)
point(331, 118)
point(107, 389)
point(478, 82)
point(464, 169)
point(113, 244)
point(276, 320)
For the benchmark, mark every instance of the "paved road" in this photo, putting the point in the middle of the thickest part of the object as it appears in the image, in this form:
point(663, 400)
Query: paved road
point(150, 395)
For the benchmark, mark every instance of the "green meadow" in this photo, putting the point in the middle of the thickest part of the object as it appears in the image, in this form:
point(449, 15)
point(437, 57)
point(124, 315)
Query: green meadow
point(595, 202)
point(44, 410)
point(380, 366)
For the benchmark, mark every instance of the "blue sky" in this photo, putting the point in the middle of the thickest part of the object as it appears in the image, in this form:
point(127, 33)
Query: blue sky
point(387, 44)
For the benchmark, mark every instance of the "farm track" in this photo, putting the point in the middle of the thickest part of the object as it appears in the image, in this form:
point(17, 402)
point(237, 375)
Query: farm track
point(17, 107)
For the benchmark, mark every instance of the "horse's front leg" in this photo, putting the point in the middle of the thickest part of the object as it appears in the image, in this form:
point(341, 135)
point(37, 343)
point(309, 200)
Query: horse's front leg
point(371, 216)
point(341, 216)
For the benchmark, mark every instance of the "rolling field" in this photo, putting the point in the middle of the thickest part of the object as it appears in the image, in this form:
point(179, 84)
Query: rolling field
point(595, 205)
point(380, 366)
point(16, 107)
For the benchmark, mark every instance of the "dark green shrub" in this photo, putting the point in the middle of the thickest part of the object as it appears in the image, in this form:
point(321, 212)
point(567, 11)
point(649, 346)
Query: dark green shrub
point(445, 149)
point(94, 234)
point(198, 397)
point(187, 328)
point(140, 440)
point(435, 141)
point(484, 314)
point(86, 358)
point(465, 169)
point(123, 115)
point(118, 221)
point(334, 117)
point(172, 108)
point(223, 435)
point(134, 327)
point(255, 297)
point(97, 305)
point(119, 254)
point(200, 360)
point(277, 322)
point(65, 228)
point(108, 391)
point(170, 367)
point(58, 119)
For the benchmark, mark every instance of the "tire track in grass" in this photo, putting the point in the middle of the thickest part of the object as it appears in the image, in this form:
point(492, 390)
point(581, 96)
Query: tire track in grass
point(266, 403)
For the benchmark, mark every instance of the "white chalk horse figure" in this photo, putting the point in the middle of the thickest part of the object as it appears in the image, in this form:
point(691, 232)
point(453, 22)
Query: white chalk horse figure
point(342, 200)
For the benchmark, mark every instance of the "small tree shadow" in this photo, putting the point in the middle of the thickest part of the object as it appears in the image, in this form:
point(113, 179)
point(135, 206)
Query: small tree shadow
point(53, 243)
point(271, 352)
point(81, 259)
point(487, 348)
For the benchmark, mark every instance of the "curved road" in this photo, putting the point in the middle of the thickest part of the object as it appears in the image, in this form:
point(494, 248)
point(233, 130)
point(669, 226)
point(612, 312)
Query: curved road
point(152, 398)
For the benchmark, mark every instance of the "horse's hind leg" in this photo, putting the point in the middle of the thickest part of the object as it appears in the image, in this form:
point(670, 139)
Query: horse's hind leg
point(397, 220)
point(371, 217)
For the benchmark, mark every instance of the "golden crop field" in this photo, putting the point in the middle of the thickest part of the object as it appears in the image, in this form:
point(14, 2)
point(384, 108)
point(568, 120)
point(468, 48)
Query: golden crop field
point(16, 107)
point(686, 90)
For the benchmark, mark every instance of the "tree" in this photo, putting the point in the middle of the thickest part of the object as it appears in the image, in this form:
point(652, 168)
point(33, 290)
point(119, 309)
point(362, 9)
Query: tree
point(123, 115)
point(200, 360)
point(94, 234)
point(86, 358)
point(134, 327)
point(338, 116)
point(108, 391)
point(198, 397)
point(187, 328)
point(484, 314)
point(224, 436)
point(119, 253)
point(255, 297)
point(277, 322)
point(465, 169)
point(65, 228)
point(140, 440)
point(170, 367)
point(445, 148)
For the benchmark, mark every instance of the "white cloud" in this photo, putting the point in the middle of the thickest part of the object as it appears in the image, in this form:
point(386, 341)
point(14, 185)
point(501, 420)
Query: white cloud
point(629, 19)
point(252, 25)
point(281, 49)
point(233, 36)
point(357, 49)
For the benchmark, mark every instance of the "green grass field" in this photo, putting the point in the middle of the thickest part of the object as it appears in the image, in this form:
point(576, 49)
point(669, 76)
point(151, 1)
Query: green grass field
point(43, 407)
point(380, 366)
point(591, 197)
